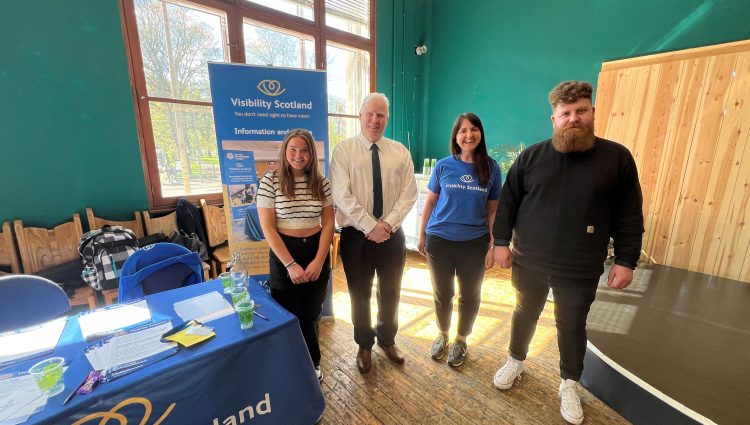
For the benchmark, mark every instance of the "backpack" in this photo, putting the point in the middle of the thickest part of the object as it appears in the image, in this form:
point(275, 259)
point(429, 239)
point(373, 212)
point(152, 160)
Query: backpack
point(159, 267)
point(190, 220)
point(66, 275)
point(103, 252)
point(189, 241)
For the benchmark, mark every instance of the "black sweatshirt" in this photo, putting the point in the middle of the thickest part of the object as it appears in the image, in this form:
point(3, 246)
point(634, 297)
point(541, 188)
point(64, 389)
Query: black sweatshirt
point(561, 209)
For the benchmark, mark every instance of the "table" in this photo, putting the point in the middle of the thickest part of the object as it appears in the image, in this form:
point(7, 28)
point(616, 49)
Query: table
point(413, 220)
point(261, 375)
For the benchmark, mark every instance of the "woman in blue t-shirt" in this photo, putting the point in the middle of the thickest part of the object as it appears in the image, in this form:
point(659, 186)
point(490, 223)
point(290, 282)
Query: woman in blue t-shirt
point(455, 234)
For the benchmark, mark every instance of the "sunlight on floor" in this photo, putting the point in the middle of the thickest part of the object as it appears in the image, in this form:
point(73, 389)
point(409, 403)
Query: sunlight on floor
point(417, 315)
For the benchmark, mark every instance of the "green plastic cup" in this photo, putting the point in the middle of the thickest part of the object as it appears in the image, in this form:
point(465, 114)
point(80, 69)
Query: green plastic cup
point(226, 281)
point(245, 311)
point(239, 294)
point(48, 376)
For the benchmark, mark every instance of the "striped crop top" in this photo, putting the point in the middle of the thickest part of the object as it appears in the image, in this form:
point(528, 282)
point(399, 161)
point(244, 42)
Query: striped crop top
point(299, 212)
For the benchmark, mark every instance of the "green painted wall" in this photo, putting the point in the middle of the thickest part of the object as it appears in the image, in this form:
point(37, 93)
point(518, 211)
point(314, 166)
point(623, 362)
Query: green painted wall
point(499, 59)
point(69, 138)
point(67, 125)
point(401, 74)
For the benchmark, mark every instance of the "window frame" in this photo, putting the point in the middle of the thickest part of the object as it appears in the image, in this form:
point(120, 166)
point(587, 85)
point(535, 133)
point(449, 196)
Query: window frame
point(236, 12)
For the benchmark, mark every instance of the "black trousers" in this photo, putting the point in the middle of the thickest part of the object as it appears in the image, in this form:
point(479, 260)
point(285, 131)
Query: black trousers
point(465, 261)
point(573, 299)
point(363, 259)
point(304, 300)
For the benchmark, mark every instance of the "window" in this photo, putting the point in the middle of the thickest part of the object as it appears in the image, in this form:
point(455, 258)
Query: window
point(349, 16)
point(267, 45)
point(348, 84)
point(169, 43)
point(301, 8)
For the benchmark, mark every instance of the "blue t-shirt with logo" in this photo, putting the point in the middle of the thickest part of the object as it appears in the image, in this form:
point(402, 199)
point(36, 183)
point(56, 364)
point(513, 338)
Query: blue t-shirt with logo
point(461, 210)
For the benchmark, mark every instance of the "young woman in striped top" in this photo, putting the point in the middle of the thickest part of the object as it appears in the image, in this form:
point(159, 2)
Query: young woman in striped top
point(296, 213)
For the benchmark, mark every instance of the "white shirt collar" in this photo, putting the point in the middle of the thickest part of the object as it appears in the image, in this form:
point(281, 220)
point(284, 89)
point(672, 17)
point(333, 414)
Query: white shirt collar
point(367, 144)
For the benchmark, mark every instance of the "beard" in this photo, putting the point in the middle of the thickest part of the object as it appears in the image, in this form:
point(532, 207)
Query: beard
point(574, 138)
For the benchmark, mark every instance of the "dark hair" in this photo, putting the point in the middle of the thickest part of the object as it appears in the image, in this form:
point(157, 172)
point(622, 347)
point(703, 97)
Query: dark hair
point(482, 161)
point(314, 178)
point(569, 92)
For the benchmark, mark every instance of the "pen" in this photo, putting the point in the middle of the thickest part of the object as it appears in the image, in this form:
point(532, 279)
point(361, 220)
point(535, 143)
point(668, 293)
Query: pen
point(73, 393)
point(260, 315)
point(180, 327)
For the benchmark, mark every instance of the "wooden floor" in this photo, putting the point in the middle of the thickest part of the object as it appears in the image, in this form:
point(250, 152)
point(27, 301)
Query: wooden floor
point(424, 391)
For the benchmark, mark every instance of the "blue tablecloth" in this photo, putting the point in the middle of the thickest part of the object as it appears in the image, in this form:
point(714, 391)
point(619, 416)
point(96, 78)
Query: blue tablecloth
point(261, 375)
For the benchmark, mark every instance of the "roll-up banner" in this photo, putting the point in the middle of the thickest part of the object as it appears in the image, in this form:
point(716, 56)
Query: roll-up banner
point(254, 107)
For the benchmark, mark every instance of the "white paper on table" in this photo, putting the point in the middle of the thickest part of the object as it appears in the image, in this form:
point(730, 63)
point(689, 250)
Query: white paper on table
point(203, 308)
point(139, 345)
point(129, 347)
point(98, 354)
point(32, 340)
point(19, 398)
point(110, 319)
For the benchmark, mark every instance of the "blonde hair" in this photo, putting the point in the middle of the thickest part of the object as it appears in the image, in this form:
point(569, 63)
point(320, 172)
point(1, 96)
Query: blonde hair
point(286, 177)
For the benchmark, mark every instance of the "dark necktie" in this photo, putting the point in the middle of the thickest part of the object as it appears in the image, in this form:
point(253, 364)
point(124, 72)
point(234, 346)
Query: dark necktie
point(377, 183)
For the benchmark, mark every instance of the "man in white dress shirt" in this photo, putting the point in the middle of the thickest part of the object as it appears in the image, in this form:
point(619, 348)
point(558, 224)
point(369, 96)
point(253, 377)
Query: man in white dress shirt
point(373, 189)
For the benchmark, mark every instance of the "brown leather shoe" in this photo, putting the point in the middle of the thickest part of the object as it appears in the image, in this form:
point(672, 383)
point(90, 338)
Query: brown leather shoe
point(364, 360)
point(393, 353)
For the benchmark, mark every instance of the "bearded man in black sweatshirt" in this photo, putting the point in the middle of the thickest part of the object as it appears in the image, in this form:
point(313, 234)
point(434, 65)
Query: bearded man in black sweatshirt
point(562, 201)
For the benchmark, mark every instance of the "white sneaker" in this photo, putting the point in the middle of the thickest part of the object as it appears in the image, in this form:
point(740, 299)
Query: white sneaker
point(319, 373)
point(570, 404)
point(507, 375)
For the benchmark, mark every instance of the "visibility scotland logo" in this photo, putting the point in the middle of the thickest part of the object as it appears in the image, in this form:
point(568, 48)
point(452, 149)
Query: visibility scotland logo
point(270, 87)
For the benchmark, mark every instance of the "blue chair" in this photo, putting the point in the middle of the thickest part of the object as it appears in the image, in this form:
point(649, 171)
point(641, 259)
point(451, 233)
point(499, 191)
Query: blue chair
point(27, 300)
point(159, 267)
point(252, 224)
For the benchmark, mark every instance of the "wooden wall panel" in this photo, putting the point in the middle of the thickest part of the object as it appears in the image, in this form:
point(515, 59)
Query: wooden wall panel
point(666, 90)
point(605, 95)
point(684, 118)
point(713, 223)
point(641, 109)
point(700, 159)
point(745, 236)
point(733, 251)
point(620, 111)
point(672, 169)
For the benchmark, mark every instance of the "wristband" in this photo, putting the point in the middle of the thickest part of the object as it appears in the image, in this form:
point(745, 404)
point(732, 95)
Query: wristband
point(291, 263)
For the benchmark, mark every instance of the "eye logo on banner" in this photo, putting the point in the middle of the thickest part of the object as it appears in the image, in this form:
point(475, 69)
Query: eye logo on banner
point(122, 419)
point(270, 87)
